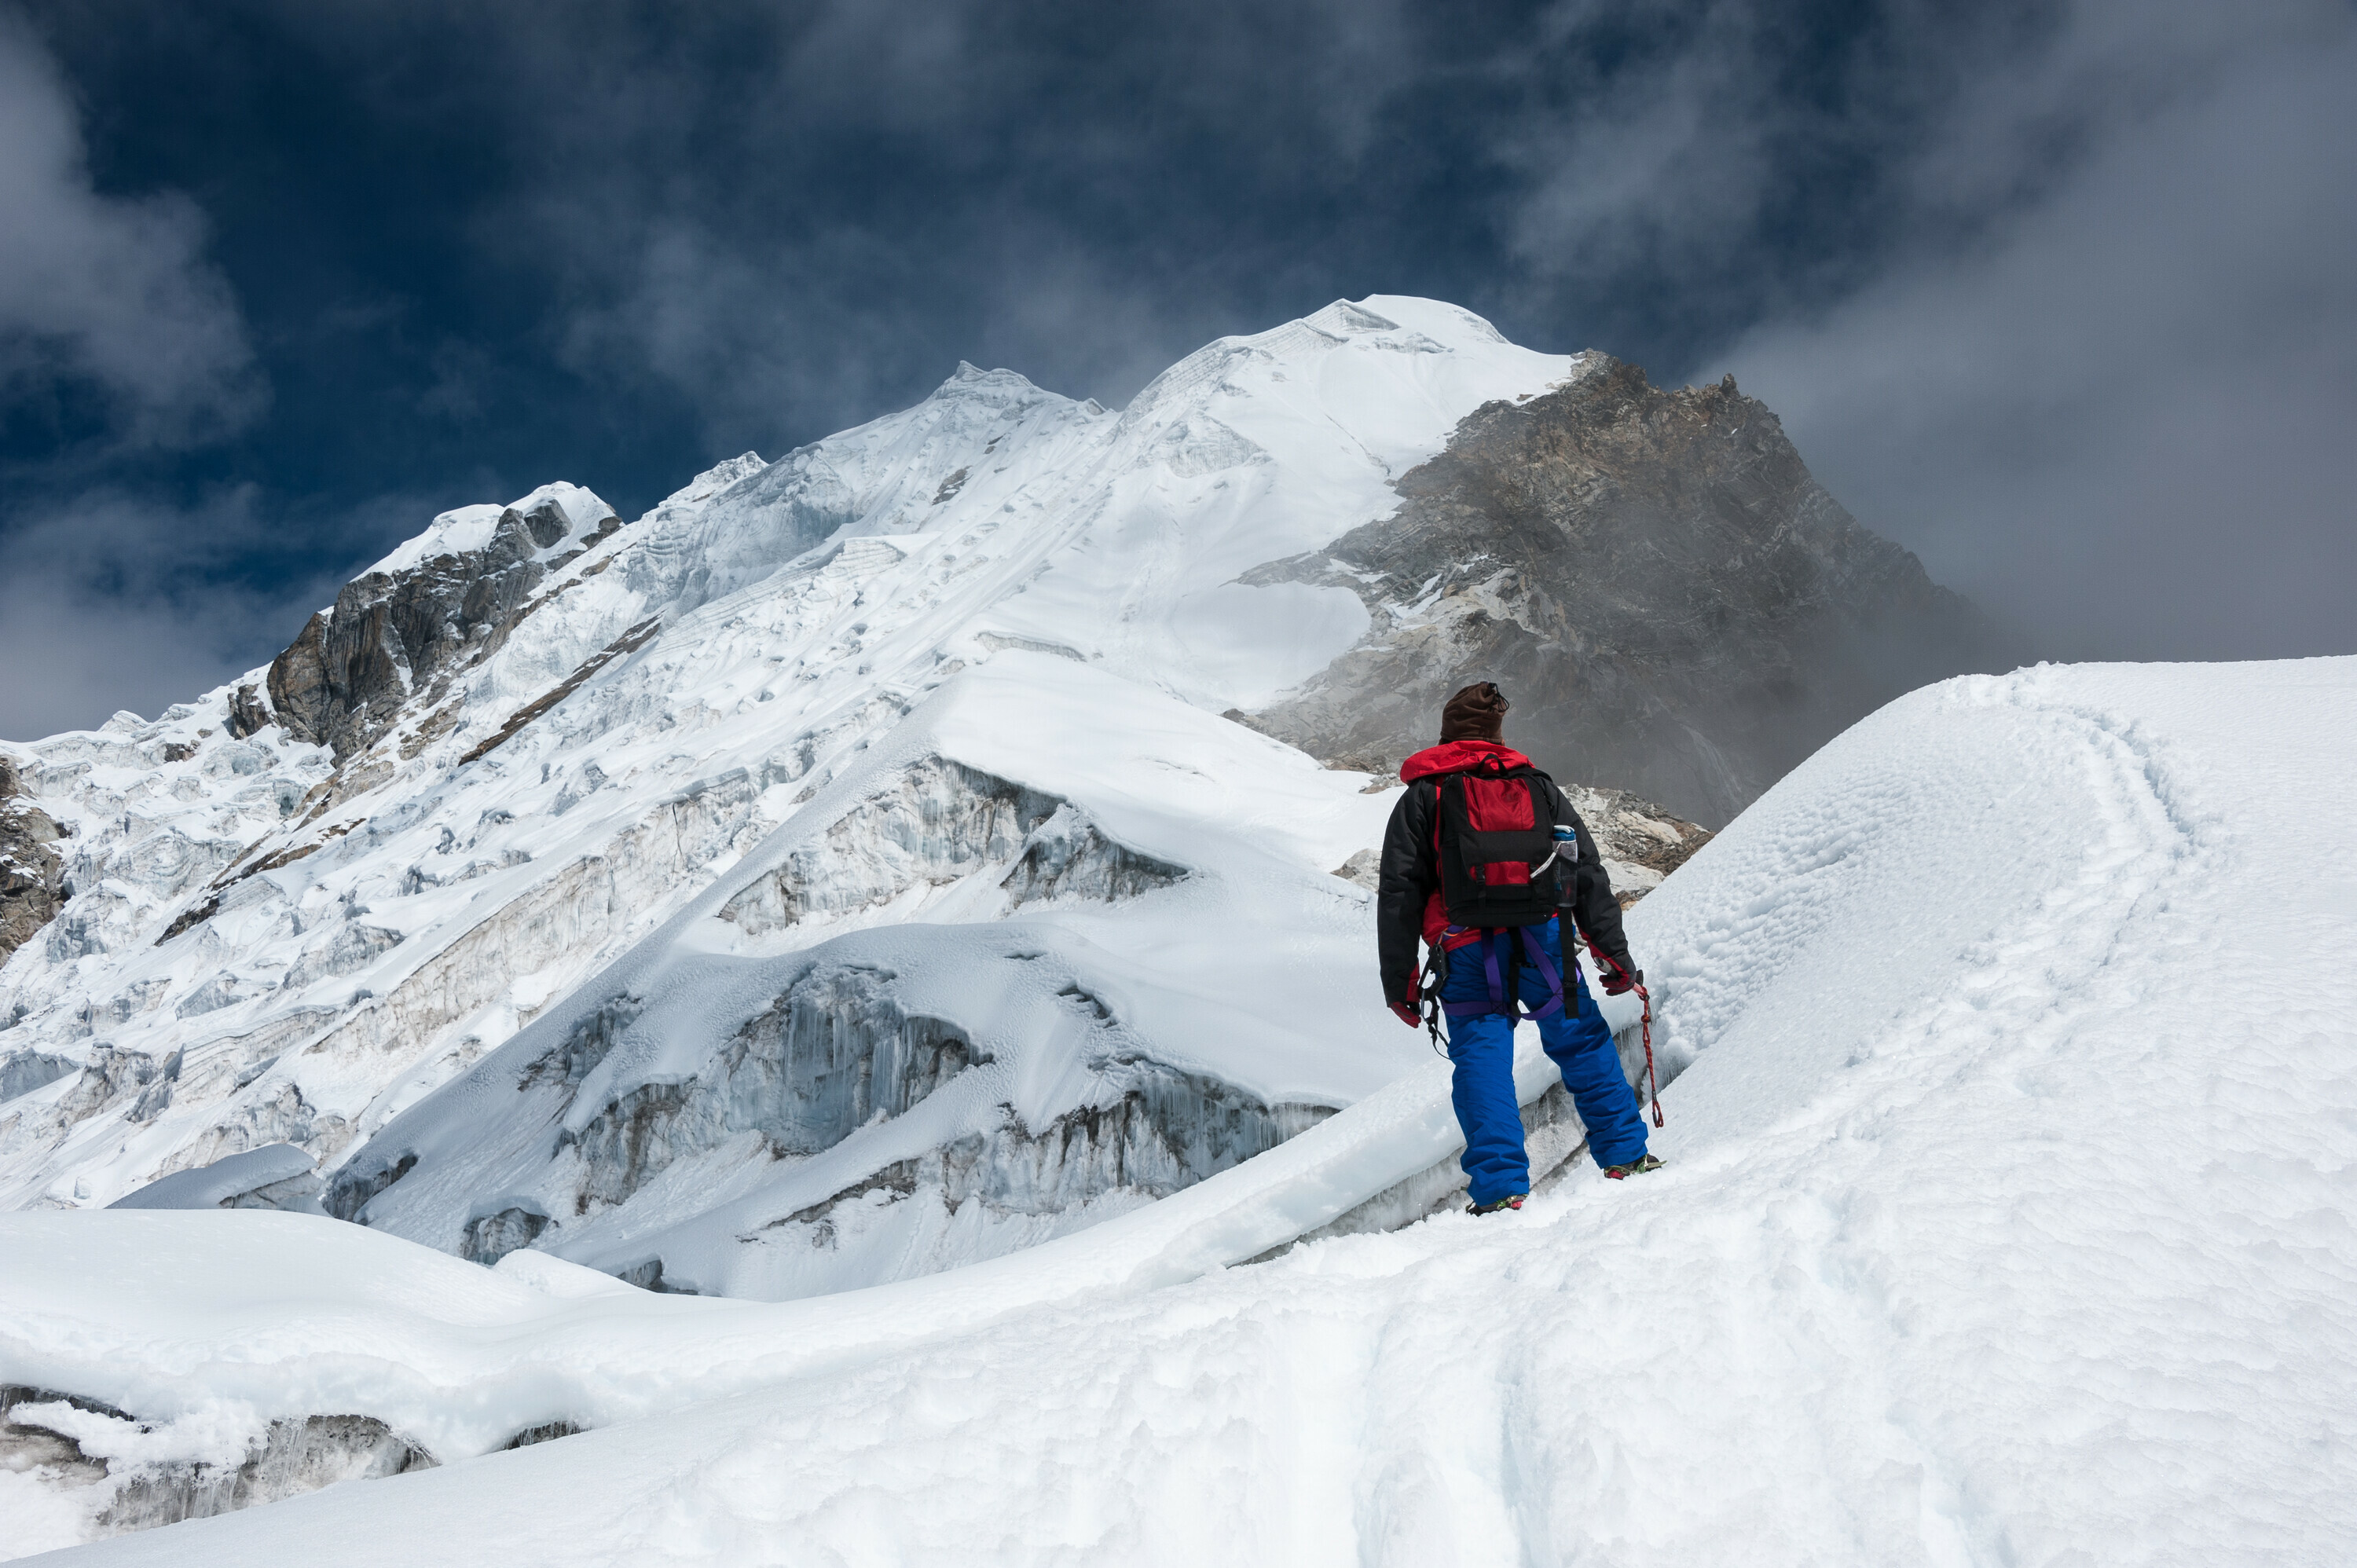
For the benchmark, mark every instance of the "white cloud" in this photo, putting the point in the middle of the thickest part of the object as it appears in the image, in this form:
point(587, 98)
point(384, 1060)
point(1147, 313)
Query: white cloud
point(1665, 164)
point(107, 601)
point(114, 598)
point(2120, 412)
point(106, 290)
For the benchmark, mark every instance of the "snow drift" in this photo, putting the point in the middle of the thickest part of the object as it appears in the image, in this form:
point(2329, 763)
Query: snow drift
point(2004, 1222)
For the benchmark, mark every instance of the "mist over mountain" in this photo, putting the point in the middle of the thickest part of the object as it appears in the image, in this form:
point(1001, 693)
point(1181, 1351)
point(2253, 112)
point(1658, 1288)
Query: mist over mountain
point(2046, 291)
point(1672, 604)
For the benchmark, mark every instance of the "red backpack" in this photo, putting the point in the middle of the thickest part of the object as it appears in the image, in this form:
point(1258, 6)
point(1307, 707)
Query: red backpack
point(1500, 865)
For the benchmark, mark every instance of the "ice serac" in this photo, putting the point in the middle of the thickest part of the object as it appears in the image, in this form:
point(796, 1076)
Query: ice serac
point(276, 1175)
point(1674, 605)
point(216, 984)
point(934, 825)
point(124, 1475)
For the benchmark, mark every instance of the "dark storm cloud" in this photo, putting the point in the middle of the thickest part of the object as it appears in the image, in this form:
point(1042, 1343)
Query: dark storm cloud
point(116, 334)
point(1986, 259)
point(812, 214)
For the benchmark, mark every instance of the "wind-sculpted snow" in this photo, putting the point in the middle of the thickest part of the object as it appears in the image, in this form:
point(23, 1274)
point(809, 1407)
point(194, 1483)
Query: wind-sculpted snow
point(2001, 1224)
point(276, 1175)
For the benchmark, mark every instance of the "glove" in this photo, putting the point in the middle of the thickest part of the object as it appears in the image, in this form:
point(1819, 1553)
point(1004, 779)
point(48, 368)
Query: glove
point(1618, 977)
point(1407, 1008)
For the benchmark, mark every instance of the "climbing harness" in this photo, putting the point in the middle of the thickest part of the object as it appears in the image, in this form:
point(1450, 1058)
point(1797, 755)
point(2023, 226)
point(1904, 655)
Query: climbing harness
point(1505, 992)
point(1503, 949)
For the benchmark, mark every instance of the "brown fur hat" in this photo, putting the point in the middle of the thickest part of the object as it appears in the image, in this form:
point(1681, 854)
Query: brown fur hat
point(1476, 713)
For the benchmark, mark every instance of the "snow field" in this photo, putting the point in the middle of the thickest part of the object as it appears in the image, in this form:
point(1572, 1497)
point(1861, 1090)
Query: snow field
point(2005, 1223)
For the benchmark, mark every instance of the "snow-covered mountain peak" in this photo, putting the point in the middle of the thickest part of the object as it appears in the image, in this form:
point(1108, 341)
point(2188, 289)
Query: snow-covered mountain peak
point(556, 517)
point(1384, 369)
point(691, 496)
point(968, 374)
point(541, 731)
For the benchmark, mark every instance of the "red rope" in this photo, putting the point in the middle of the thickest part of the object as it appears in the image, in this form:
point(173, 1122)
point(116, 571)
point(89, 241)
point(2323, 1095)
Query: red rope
point(1653, 1083)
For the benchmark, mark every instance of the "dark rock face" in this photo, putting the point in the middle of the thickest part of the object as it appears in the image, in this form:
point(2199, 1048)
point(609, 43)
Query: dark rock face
point(247, 714)
point(1672, 604)
point(490, 1237)
point(347, 676)
point(32, 877)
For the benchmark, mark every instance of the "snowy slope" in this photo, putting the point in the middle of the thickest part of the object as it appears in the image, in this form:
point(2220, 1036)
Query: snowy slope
point(1201, 967)
point(271, 943)
point(2005, 1223)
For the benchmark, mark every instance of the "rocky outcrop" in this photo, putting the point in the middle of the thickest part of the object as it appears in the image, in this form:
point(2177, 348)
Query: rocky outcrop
point(348, 675)
point(1672, 604)
point(32, 876)
point(1641, 843)
point(247, 712)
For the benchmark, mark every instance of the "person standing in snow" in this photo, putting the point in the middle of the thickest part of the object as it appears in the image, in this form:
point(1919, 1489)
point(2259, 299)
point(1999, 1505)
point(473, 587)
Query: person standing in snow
point(1482, 855)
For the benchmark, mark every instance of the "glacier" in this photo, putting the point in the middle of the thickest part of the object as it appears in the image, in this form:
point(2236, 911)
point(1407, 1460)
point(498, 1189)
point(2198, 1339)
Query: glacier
point(2005, 1221)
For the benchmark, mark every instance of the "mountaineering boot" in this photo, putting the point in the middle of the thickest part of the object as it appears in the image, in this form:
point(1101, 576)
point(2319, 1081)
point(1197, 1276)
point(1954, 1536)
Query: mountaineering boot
point(1635, 1167)
point(1512, 1200)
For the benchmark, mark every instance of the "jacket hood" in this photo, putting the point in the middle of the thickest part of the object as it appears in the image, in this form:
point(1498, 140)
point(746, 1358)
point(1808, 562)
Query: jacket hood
point(1455, 756)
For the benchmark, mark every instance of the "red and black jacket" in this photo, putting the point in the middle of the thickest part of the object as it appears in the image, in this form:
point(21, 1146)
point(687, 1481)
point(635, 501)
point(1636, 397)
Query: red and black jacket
point(1407, 893)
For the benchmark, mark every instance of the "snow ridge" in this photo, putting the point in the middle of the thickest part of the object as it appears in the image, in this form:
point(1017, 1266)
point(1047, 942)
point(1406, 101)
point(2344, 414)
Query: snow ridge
point(1957, 1163)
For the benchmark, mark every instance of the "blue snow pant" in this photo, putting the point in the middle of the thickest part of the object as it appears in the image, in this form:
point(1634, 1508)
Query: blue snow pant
point(1482, 1046)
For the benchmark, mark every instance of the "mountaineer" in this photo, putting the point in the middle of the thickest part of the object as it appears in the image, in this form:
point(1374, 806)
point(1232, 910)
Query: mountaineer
point(1481, 854)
